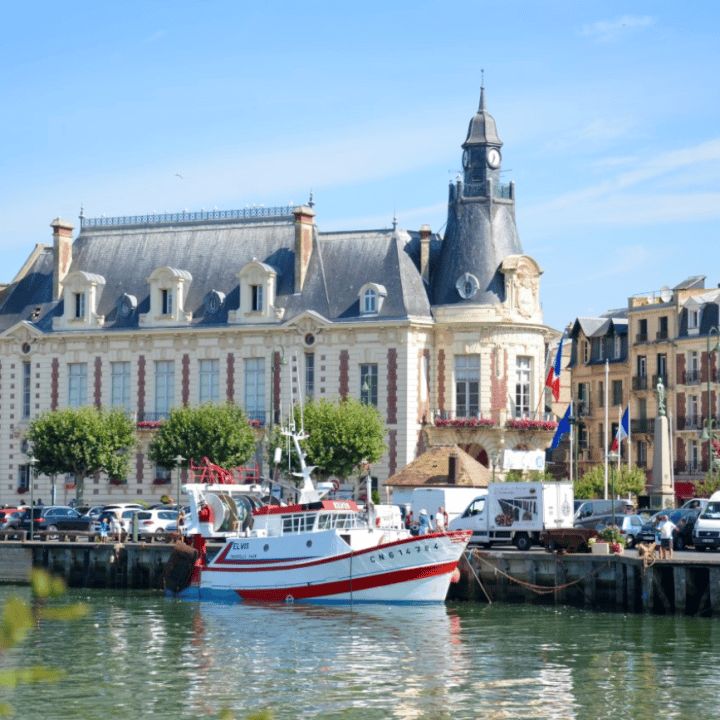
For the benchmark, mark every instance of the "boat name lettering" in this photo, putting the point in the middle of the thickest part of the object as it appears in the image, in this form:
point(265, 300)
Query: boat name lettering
point(341, 505)
point(399, 552)
point(240, 546)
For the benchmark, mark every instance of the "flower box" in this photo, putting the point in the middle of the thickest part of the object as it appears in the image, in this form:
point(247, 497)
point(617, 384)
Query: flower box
point(465, 422)
point(525, 424)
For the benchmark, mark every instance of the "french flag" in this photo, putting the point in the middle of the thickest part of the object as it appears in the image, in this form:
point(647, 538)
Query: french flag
point(553, 378)
point(562, 428)
point(623, 430)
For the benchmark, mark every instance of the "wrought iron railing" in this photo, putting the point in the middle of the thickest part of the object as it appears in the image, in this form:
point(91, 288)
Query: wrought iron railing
point(692, 377)
point(166, 218)
point(640, 382)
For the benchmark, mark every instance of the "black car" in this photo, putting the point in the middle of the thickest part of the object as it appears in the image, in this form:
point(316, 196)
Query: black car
point(57, 518)
point(684, 519)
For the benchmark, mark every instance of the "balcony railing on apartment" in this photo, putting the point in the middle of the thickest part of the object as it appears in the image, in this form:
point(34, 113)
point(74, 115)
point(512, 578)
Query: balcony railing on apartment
point(689, 422)
point(664, 377)
point(691, 377)
point(583, 408)
point(640, 382)
point(641, 337)
point(687, 467)
point(661, 335)
point(642, 425)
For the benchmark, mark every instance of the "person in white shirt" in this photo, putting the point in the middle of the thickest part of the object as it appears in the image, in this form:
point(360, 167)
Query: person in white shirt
point(667, 529)
point(441, 520)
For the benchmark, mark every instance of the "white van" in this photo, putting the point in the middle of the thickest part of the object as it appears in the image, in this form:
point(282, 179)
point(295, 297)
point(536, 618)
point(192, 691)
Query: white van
point(706, 533)
point(586, 509)
point(453, 500)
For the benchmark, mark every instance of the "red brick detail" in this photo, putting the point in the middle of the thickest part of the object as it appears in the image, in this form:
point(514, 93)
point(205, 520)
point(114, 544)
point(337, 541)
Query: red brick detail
point(680, 450)
point(498, 387)
point(392, 454)
point(98, 382)
point(230, 386)
point(441, 381)
point(139, 466)
point(54, 384)
point(392, 387)
point(141, 385)
point(185, 379)
point(344, 374)
point(423, 408)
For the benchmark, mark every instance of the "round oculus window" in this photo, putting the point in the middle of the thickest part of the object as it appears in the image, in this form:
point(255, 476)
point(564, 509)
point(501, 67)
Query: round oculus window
point(467, 285)
point(309, 339)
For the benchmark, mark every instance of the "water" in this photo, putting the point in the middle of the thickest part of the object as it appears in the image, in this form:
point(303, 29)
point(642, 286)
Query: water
point(140, 655)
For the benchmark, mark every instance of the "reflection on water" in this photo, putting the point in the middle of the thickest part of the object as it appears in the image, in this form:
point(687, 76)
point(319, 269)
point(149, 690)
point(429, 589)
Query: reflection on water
point(141, 655)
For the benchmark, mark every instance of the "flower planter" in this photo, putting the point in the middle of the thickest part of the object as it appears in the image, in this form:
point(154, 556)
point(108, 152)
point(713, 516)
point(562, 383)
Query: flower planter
point(601, 548)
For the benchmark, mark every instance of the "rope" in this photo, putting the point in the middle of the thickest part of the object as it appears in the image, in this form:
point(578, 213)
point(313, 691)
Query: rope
point(538, 589)
point(482, 587)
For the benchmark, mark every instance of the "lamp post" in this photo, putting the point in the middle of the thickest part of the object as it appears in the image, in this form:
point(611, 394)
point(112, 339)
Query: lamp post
point(612, 457)
point(710, 422)
point(179, 460)
point(31, 462)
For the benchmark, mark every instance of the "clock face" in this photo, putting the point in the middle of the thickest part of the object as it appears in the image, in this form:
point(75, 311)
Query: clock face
point(493, 158)
point(466, 159)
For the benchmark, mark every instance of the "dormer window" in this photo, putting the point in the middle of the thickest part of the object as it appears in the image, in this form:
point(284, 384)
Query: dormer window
point(168, 290)
point(166, 298)
point(693, 319)
point(79, 305)
point(258, 282)
point(371, 298)
point(81, 296)
point(256, 298)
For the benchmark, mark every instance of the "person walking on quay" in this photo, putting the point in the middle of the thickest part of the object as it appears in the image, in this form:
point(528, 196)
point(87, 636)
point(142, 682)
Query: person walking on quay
point(116, 527)
point(441, 520)
point(658, 541)
point(667, 528)
point(424, 521)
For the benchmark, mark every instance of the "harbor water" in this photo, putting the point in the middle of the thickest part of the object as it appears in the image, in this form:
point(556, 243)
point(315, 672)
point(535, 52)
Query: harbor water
point(140, 655)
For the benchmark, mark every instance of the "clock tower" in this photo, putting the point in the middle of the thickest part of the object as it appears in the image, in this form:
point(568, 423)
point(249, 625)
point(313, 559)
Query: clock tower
point(481, 231)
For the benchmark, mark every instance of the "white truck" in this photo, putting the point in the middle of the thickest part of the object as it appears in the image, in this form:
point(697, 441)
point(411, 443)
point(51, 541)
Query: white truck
point(453, 500)
point(517, 513)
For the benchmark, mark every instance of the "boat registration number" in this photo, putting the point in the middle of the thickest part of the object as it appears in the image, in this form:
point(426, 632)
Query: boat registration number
point(401, 552)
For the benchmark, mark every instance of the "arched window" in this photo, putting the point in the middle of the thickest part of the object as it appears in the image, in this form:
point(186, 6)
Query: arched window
point(370, 301)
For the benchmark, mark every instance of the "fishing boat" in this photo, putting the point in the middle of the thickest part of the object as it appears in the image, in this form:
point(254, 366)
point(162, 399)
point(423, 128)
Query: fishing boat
point(317, 549)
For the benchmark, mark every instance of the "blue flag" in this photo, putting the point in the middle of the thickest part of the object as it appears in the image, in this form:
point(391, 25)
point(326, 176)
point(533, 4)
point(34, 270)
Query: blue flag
point(562, 428)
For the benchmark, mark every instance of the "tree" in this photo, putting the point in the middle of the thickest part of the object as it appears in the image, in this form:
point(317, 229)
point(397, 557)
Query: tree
point(221, 433)
point(343, 436)
point(82, 441)
point(627, 480)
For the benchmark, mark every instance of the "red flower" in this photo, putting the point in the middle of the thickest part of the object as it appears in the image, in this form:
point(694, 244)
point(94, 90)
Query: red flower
point(526, 424)
point(465, 422)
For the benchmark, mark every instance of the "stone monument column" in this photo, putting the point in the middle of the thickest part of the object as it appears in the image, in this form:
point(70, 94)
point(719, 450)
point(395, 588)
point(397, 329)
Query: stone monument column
point(663, 486)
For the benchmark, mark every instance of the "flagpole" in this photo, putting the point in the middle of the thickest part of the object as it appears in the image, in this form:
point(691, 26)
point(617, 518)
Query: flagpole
point(607, 409)
point(619, 444)
point(629, 439)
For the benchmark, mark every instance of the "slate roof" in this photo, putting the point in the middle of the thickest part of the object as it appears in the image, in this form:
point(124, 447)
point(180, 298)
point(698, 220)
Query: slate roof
point(213, 252)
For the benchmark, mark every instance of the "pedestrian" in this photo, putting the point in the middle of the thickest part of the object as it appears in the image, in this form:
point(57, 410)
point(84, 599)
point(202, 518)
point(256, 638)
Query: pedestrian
point(104, 528)
point(116, 526)
point(441, 520)
point(424, 521)
point(658, 543)
point(667, 528)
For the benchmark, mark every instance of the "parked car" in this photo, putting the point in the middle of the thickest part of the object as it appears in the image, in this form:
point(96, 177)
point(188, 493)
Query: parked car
point(91, 510)
point(684, 519)
point(10, 519)
point(629, 524)
point(57, 518)
point(126, 515)
point(153, 524)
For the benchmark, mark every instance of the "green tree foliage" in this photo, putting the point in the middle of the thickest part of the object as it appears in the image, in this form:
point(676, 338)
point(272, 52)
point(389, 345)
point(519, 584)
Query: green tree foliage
point(82, 441)
point(221, 433)
point(628, 480)
point(342, 436)
point(528, 476)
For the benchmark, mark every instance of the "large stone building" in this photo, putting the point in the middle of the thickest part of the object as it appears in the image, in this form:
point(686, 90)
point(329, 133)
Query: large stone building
point(151, 312)
point(671, 337)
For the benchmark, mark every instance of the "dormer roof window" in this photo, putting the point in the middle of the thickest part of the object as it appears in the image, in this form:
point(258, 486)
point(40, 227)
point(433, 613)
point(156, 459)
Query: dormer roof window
point(694, 310)
point(258, 282)
point(168, 290)
point(81, 292)
point(371, 298)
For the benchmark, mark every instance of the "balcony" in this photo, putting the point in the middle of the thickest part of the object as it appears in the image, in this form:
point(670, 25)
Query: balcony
point(641, 337)
point(663, 377)
point(661, 335)
point(640, 382)
point(691, 377)
point(688, 467)
point(583, 408)
point(642, 425)
point(689, 422)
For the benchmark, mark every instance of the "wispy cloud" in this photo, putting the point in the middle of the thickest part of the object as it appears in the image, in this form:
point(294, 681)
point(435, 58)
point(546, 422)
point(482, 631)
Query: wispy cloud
point(154, 37)
point(605, 31)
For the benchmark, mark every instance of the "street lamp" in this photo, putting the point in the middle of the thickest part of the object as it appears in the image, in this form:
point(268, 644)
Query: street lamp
point(179, 460)
point(710, 422)
point(611, 457)
point(31, 462)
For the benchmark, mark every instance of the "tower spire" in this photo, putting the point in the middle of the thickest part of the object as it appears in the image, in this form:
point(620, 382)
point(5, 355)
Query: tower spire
point(482, 92)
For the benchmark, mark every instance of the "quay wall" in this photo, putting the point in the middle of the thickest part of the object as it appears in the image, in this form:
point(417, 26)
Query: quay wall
point(622, 583)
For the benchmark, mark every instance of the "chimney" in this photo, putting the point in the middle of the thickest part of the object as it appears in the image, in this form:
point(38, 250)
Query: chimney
point(453, 469)
point(304, 226)
point(425, 251)
point(62, 252)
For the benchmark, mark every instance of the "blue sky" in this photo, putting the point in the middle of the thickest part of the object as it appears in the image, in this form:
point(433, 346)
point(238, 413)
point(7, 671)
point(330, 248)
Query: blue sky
point(608, 112)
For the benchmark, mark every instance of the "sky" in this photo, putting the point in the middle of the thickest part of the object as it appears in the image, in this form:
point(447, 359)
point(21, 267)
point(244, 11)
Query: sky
point(608, 112)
